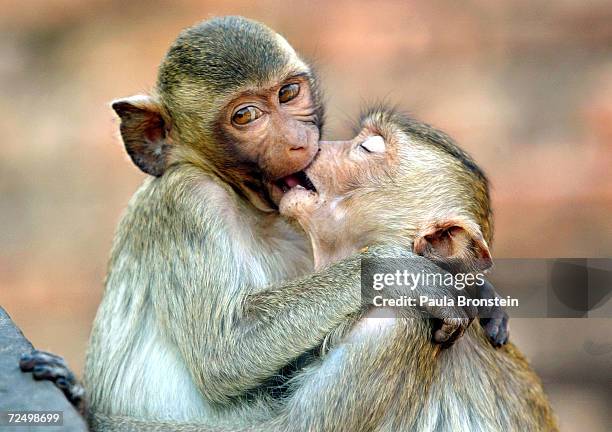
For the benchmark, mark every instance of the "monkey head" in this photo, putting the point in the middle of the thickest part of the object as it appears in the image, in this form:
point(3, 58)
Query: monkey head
point(233, 97)
point(398, 181)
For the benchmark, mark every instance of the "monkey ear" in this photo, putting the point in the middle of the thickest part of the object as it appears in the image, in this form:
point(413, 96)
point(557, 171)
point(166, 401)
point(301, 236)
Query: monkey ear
point(454, 244)
point(144, 132)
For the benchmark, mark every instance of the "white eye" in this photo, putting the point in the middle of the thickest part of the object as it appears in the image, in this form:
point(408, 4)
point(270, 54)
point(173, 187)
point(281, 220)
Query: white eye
point(374, 144)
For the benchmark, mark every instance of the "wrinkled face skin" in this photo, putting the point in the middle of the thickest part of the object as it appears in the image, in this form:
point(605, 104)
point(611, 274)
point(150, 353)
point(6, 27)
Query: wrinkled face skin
point(277, 130)
point(327, 204)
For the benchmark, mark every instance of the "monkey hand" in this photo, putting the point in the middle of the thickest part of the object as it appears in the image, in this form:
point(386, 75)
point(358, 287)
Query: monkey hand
point(50, 367)
point(493, 319)
point(441, 301)
point(450, 323)
point(451, 318)
point(496, 327)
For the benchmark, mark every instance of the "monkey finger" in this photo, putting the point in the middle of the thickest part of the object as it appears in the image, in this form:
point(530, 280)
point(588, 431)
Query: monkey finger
point(450, 330)
point(50, 367)
point(46, 366)
point(28, 361)
point(496, 327)
point(440, 336)
point(52, 373)
point(73, 391)
point(454, 337)
point(491, 328)
point(504, 332)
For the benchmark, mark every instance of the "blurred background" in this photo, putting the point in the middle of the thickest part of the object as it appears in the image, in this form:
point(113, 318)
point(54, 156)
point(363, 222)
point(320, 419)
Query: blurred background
point(524, 86)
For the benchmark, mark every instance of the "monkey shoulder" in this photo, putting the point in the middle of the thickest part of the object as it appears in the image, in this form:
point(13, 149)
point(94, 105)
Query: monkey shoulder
point(186, 198)
point(192, 214)
point(389, 251)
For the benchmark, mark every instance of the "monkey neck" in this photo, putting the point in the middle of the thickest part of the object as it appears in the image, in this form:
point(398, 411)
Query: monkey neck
point(324, 255)
point(252, 189)
point(331, 238)
point(334, 242)
point(328, 248)
point(246, 181)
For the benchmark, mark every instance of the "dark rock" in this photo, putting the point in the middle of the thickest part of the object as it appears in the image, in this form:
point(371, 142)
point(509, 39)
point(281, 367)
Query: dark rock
point(20, 392)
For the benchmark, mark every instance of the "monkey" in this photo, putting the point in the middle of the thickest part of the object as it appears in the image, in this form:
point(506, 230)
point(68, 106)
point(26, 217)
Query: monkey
point(400, 189)
point(201, 304)
point(400, 181)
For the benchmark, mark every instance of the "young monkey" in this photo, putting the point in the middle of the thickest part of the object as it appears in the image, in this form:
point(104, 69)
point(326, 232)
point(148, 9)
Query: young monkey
point(423, 193)
point(398, 181)
point(402, 182)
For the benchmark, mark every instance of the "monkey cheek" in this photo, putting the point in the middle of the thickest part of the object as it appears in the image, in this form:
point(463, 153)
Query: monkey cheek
point(275, 193)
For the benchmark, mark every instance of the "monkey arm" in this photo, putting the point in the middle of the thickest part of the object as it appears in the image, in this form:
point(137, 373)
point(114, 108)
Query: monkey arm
point(247, 344)
point(274, 326)
point(387, 375)
point(232, 334)
point(203, 281)
point(207, 294)
point(386, 369)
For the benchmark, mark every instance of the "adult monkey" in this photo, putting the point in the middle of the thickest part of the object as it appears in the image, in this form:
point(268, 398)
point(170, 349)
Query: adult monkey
point(188, 329)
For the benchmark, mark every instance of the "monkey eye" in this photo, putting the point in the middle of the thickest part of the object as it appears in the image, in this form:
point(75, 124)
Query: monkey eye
point(246, 115)
point(288, 92)
point(374, 144)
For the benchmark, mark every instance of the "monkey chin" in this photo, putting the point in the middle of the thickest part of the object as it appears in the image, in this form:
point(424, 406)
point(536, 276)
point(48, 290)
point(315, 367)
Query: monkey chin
point(299, 203)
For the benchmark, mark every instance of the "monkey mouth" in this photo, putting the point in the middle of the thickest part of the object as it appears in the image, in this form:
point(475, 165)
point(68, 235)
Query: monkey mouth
point(295, 180)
